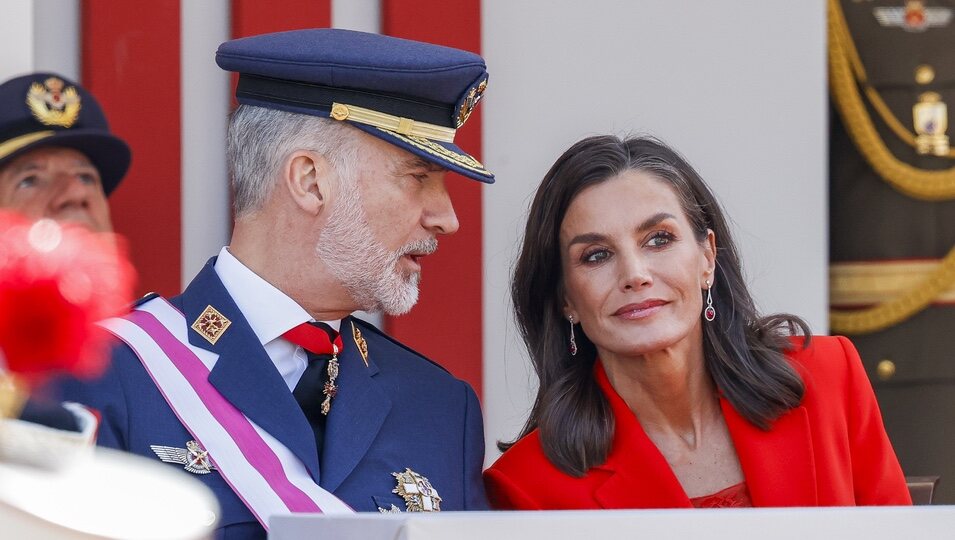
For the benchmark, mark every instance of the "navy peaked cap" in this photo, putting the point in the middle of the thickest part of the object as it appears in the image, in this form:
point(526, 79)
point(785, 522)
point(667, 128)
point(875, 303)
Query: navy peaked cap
point(45, 109)
point(411, 94)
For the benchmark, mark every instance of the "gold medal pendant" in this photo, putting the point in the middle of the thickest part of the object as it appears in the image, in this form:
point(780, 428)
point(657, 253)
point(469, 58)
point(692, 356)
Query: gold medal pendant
point(331, 389)
point(930, 115)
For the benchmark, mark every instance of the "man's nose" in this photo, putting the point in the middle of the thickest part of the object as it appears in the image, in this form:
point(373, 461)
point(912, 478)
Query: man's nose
point(439, 216)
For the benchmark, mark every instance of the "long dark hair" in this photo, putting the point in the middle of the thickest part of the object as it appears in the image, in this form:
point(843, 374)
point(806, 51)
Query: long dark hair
point(744, 352)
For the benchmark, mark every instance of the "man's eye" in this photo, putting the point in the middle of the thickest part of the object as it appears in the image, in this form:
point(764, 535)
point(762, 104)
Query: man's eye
point(89, 179)
point(28, 182)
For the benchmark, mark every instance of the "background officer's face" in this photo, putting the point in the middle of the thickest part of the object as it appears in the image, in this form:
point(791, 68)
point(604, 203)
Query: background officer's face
point(57, 183)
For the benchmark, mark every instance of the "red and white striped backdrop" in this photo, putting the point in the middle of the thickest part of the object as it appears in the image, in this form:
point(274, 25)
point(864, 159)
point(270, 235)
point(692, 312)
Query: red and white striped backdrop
point(751, 118)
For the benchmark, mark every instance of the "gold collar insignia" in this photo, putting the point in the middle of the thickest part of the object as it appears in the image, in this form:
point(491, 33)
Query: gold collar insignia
point(211, 324)
point(360, 343)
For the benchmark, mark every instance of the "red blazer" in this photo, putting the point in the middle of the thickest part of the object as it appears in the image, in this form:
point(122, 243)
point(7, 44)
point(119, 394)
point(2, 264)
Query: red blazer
point(831, 450)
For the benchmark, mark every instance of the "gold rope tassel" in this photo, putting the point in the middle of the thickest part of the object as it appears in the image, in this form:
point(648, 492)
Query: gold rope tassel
point(896, 310)
point(845, 68)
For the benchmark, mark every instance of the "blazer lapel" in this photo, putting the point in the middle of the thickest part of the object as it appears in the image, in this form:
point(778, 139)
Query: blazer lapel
point(639, 476)
point(244, 374)
point(778, 464)
point(358, 410)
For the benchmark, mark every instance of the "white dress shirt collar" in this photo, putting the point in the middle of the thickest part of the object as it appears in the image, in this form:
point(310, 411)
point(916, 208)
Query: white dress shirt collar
point(269, 311)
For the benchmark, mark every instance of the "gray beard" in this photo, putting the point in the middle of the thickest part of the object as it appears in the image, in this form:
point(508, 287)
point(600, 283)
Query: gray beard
point(367, 269)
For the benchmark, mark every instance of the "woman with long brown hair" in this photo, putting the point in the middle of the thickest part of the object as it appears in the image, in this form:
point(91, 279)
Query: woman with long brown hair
point(660, 385)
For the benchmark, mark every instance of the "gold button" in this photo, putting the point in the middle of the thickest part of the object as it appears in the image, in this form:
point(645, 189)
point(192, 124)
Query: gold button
point(924, 74)
point(339, 111)
point(885, 369)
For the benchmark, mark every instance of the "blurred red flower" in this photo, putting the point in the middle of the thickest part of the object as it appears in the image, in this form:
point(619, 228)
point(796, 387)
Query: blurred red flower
point(56, 282)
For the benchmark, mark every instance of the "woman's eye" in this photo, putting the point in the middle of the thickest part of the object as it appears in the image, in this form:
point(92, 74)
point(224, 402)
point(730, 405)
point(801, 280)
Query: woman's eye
point(660, 239)
point(596, 256)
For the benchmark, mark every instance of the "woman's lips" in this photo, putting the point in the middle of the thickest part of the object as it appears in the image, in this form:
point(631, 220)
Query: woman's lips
point(640, 310)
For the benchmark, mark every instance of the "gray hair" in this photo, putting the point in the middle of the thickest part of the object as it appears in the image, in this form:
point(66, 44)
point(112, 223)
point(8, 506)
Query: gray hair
point(260, 139)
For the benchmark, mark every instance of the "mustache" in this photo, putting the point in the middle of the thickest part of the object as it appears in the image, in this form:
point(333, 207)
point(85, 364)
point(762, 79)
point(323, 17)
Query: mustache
point(421, 247)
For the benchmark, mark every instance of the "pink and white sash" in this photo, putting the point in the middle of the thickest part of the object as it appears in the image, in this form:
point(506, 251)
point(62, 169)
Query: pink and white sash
point(265, 474)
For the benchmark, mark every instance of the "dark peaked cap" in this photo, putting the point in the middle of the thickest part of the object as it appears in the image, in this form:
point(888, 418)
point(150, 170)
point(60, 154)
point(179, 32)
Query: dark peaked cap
point(45, 109)
point(413, 95)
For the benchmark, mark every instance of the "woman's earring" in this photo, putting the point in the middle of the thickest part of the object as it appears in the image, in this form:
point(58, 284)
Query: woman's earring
point(573, 342)
point(709, 312)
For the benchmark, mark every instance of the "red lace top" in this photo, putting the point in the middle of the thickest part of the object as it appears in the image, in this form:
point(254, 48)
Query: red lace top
point(736, 496)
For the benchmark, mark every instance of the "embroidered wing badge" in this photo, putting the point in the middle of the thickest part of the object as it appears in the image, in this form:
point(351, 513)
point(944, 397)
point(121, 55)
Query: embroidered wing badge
point(193, 457)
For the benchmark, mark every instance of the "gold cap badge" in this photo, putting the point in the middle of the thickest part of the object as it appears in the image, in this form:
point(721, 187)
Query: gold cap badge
point(417, 491)
point(471, 101)
point(53, 103)
point(211, 324)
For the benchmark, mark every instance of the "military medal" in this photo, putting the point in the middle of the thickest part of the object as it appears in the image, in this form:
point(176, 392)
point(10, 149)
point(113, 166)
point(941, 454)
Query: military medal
point(417, 491)
point(193, 457)
point(930, 115)
point(331, 389)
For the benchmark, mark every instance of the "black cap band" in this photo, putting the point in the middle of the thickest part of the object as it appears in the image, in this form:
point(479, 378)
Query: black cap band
point(320, 98)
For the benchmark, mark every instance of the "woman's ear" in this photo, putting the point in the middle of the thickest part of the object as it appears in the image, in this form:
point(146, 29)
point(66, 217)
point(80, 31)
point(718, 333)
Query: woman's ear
point(307, 180)
point(709, 254)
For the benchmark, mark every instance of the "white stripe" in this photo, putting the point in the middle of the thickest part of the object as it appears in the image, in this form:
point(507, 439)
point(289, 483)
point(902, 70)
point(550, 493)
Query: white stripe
point(200, 422)
point(294, 469)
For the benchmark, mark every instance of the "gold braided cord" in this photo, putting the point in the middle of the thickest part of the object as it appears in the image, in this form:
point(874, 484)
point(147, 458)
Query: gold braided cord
point(855, 61)
point(898, 309)
point(912, 181)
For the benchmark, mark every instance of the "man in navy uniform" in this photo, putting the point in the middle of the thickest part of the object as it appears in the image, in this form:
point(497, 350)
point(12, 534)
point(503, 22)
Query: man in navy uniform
point(256, 378)
point(58, 158)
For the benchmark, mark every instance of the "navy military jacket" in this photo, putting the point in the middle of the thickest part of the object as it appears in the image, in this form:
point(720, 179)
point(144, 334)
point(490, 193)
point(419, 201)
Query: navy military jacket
point(398, 411)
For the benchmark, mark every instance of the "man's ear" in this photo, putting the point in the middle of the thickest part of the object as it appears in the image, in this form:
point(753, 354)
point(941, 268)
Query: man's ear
point(307, 178)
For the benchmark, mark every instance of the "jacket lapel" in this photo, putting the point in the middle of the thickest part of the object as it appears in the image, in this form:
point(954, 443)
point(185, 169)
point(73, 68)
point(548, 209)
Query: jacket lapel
point(639, 476)
point(244, 374)
point(359, 408)
point(778, 464)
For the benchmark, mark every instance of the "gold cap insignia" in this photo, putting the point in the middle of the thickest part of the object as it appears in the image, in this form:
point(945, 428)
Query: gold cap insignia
point(393, 510)
point(360, 343)
point(211, 324)
point(471, 101)
point(193, 457)
point(417, 491)
point(53, 103)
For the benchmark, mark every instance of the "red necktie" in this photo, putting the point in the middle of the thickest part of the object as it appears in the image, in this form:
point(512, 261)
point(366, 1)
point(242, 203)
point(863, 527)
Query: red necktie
point(315, 337)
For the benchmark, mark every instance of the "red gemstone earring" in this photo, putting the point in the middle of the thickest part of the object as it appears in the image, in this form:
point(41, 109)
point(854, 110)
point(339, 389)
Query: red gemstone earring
point(709, 312)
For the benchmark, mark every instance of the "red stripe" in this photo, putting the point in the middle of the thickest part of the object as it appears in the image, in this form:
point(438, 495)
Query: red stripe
point(130, 59)
point(446, 325)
